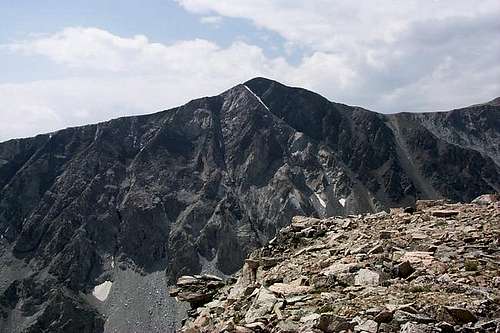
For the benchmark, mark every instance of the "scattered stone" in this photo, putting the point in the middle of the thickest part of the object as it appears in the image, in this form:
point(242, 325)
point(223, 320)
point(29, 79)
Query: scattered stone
point(377, 273)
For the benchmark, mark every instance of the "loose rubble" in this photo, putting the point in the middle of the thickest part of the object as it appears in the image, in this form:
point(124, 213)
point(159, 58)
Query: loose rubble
point(435, 268)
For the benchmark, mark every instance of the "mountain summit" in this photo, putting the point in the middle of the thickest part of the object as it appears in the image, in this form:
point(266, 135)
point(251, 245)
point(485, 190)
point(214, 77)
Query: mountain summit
point(96, 221)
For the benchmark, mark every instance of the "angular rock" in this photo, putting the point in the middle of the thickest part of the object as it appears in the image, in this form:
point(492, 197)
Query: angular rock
point(262, 305)
point(366, 277)
point(486, 199)
point(402, 317)
point(286, 289)
point(444, 213)
point(461, 315)
point(368, 326)
point(384, 316)
point(403, 270)
point(416, 328)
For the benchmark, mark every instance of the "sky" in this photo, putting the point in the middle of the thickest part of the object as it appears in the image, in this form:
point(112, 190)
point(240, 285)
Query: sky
point(70, 63)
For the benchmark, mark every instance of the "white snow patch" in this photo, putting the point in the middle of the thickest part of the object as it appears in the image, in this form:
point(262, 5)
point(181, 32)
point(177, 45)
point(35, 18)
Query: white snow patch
point(101, 291)
point(342, 202)
point(258, 98)
point(112, 262)
point(321, 201)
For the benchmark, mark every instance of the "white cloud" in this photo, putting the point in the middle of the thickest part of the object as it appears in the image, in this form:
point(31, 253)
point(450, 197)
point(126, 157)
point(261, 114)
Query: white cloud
point(327, 25)
point(391, 54)
point(385, 55)
point(112, 76)
point(212, 20)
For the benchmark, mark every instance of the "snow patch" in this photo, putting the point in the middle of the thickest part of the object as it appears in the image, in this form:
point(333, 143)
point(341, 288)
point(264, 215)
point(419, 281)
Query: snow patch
point(342, 202)
point(321, 201)
point(112, 262)
point(101, 291)
point(258, 98)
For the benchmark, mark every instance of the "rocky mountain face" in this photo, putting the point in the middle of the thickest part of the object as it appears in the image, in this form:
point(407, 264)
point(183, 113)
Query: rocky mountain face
point(96, 221)
point(435, 269)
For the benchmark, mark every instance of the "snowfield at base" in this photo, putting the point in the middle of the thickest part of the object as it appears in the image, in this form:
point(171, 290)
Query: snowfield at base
point(101, 291)
point(258, 98)
point(342, 202)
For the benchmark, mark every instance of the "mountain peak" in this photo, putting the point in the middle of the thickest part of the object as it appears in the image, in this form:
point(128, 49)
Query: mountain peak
point(140, 201)
point(259, 85)
point(260, 80)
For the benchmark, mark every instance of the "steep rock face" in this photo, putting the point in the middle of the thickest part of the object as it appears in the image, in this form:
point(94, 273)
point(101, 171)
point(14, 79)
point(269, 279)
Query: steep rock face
point(203, 184)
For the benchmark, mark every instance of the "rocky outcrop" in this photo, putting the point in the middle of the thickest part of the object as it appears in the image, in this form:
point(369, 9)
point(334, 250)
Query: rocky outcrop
point(198, 187)
point(384, 272)
point(196, 290)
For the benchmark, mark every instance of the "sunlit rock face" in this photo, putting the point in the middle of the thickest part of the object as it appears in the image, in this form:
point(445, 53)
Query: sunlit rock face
point(201, 185)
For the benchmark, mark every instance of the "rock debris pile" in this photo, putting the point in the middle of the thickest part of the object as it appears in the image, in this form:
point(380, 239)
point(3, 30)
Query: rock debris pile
point(434, 268)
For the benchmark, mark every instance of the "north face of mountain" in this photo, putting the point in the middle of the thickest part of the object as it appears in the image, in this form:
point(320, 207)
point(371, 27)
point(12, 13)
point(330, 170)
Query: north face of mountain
point(139, 201)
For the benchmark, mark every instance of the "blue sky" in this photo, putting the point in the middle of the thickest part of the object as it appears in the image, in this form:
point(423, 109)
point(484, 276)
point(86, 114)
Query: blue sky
point(161, 21)
point(67, 63)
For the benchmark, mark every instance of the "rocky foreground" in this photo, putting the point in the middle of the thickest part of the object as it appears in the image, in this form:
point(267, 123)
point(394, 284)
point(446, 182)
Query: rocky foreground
point(435, 268)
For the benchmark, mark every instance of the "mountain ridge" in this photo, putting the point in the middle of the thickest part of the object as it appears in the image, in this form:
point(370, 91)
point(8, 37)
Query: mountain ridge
point(493, 102)
point(139, 201)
